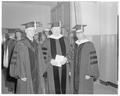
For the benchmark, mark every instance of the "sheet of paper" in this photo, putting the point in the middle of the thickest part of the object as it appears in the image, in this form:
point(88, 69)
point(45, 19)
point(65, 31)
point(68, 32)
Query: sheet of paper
point(59, 59)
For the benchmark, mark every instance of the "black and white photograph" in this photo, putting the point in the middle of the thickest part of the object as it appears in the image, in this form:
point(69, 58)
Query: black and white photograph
point(59, 47)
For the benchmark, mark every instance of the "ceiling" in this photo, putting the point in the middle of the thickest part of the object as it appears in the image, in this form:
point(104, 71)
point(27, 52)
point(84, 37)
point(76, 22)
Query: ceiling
point(46, 3)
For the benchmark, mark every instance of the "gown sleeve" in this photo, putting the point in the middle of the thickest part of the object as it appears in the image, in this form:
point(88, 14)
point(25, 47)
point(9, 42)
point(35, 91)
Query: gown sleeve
point(44, 50)
point(13, 63)
point(46, 55)
point(94, 63)
point(41, 60)
point(17, 67)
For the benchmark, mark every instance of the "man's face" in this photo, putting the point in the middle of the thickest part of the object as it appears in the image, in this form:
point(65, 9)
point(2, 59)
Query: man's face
point(18, 34)
point(56, 30)
point(30, 31)
point(79, 35)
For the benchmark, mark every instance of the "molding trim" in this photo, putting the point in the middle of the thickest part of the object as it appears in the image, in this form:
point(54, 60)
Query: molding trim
point(108, 83)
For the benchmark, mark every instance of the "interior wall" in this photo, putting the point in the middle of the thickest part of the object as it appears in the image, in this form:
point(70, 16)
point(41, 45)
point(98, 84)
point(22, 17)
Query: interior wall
point(86, 13)
point(61, 12)
point(101, 20)
point(15, 14)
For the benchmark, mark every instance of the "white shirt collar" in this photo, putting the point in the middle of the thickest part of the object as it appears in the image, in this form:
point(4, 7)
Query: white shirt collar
point(78, 42)
point(56, 37)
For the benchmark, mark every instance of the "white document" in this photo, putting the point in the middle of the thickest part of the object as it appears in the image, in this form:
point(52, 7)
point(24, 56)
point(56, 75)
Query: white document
point(5, 62)
point(59, 59)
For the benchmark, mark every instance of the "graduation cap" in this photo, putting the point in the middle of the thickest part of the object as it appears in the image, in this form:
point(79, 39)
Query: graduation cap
point(57, 24)
point(19, 30)
point(79, 28)
point(32, 24)
point(11, 30)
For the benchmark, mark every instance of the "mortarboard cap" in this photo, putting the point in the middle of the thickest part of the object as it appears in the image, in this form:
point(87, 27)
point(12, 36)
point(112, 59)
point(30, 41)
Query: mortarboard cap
point(19, 30)
point(32, 24)
point(56, 24)
point(79, 27)
point(12, 30)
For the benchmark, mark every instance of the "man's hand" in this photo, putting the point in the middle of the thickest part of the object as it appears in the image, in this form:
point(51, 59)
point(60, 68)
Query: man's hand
point(24, 79)
point(69, 73)
point(87, 77)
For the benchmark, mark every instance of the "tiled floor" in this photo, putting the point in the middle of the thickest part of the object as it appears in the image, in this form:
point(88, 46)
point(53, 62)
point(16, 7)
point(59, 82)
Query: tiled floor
point(102, 89)
point(98, 89)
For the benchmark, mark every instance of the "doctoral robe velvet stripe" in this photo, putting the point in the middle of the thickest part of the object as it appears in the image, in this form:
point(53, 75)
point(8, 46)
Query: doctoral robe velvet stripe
point(44, 52)
point(60, 86)
point(64, 69)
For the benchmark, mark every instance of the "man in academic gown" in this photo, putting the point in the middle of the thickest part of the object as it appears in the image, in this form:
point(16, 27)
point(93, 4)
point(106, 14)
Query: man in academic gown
point(57, 74)
point(19, 34)
point(85, 63)
point(26, 64)
point(8, 50)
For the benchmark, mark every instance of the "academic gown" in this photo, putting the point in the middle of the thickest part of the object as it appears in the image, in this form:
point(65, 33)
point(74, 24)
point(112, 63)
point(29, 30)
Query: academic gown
point(44, 51)
point(85, 64)
point(26, 62)
point(10, 82)
point(57, 77)
point(70, 57)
